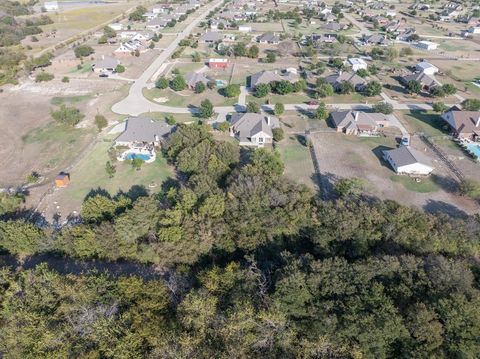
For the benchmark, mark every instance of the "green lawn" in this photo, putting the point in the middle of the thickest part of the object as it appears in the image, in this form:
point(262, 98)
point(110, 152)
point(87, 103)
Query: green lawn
point(297, 160)
point(285, 99)
point(428, 122)
point(179, 117)
point(57, 101)
point(90, 174)
point(426, 185)
point(86, 67)
point(188, 97)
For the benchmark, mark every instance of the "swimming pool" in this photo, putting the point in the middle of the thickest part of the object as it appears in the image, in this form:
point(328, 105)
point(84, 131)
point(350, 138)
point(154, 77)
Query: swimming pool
point(474, 148)
point(131, 156)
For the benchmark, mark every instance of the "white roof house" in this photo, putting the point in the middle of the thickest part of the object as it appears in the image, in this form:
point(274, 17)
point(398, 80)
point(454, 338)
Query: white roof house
point(357, 63)
point(426, 68)
point(116, 26)
point(50, 6)
point(427, 45)
point(244, 28)
point(408, 161)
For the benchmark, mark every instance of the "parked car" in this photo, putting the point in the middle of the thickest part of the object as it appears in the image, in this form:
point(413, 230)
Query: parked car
point(103, 75)
point(405, 141)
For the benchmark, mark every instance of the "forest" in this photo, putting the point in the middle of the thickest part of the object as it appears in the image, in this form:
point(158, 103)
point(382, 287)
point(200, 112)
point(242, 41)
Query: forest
point(249, 265)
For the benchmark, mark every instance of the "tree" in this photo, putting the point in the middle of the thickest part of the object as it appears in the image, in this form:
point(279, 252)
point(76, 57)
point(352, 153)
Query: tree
point(239, 49)
point(253, 52)
point(231, 90)
point(206, 109)
point(449, 89)
point(373, 88)
point(414, 86)
point(151, 46)
point(137, 163)
point(321, 113)
point(101, 122)
point(346, 87)
point(178, 83)
point(439, 107)
point(271, 57)
point(109, 32)
point(299, 86)
point(170, 120)
point(470, 188)
point(70, 116)
point(98, 208)
point(253, 107)
point(199, 87)
point(9, 203)
point(278, 134)
point(196, 57)
point(120, 68)
point(161, 83)
point(383, 107)
point(336, 63)
point(349, 187)
point(437, 91)
point(21, 237)
point(137, 15)
point(110, 169)
point(223, 126)
point(279, 109)
point(325, 90)
point(262, 90)
point(283, 87)
point(373, 69)
point(83, 51)
point(471, 104)
point(362, 73)
point(391, 54)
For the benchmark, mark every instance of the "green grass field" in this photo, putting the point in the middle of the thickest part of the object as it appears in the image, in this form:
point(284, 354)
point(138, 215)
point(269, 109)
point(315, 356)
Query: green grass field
point(297, 160)
point(90, 174)
point(430, 123)
point(426, 185)
point(69, 100)
point(187, 97)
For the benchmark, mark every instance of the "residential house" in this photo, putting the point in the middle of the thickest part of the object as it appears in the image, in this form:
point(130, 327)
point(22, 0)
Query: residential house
point(406, 34)
point(158, 23)
point(464, 124)
point(426, 68)
point(129, 47)
point(408, 161)
point(50, 6)
point(375, 39)
point(211, 37)
point(148, 16)
point(357, 122)
point(143, 36)
point(267, 77)
point(244, 28)
point(396, 27)
point(337, 79)
point(192, 78)
point(427, 45)
point(220, 24)
point(474, 30)
point(324, 38)
point(253, 129)
point(334, 26)
point(159, 9)
point(426, 81)
point(105, 65)
point(329, 18)
point(141, 131)
point(357, 63)
point(116, 26)
point(269, 38)
point(218, 63)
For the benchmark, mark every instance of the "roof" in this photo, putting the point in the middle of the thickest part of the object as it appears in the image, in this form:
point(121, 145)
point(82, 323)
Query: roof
point(357, 119)
point(405, 155)
point(356, 61)
point(426, 65)
point(211, 36)
point(193, 77)
point(106, 63)
point(422, 77)
point(246, 125)
point(337, 78)
point(269, 37)
point(463, 121)
point(141, 129)
point(266, 77)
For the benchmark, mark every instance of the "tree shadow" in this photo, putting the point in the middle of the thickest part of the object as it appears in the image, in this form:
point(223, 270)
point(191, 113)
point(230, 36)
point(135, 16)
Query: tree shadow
point(301, 139)
point(134, 192)
point(434, 207)
point(97, 192)
point(448, 184)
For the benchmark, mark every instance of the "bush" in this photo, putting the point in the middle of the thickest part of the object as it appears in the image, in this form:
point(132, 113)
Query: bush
point(170, 120)
point(383, 107)
point(262, 90)
point(279, 109)
point(120, 68)
point(231, 91)
point(161, 83)
point(178, 83)
point(83, 51)
point(199, 87)
point(471, 104)
point(278, 134)
point(253, 107)
point(67, 115)
point(470, 188)
point(325, 90)
point(43, 77)
point(439, 107)
point(223, 126)
point(206, 109)
point(65, 79)
point(101, 122)
point(373, 88)
point(321, 113)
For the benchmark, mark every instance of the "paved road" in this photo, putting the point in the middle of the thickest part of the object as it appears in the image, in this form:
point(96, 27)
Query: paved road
point(135, 103)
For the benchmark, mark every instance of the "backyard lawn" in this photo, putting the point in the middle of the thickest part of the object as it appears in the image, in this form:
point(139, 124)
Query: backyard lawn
point(187, 97)
point(426, 185)
point(90, 174)
point(297, 160)
point(428, 122)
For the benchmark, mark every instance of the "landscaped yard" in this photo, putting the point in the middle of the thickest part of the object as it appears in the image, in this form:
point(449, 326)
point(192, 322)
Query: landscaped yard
point(426, 185)
point(90, 174)
point(427, 122)
point(187, 97)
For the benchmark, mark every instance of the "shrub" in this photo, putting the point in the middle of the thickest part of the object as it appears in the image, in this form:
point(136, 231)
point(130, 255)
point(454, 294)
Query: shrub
point(170, 120)
point(161, 83)
point(278, 134)
point(43, 77)
point(178, 83)
point(206, 109)
point(279, 109)
point(223, 126)
point(101, 122)
point(262, 90)
point(231, 91)
point(383, 107)
point(65, 79)
point(253, 107)
point(67, 115)
point(199, 87)
point(83, 51)
point(120, 68)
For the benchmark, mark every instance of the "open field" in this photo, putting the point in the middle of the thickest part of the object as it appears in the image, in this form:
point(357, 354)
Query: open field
point(187, 97)
point(342, 156)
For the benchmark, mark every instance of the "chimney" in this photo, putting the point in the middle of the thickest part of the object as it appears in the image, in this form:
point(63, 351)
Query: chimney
point(356, 116)
point(103, 57)
point(268, 120)
point(478, 122)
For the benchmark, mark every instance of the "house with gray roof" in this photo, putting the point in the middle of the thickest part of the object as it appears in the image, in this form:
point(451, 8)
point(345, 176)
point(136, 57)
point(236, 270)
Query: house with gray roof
point(267, 77)
point(358, 122)
point(334, 26)
point(105, 64)
point(338, 78)
point(464, 124)
point(408, 161)
point(253, 129)
point(376, 39)
point(158, 23)
point(269, 38)
point(211, 37)
point(143, 131)
point(426, 81)
point(193, 77)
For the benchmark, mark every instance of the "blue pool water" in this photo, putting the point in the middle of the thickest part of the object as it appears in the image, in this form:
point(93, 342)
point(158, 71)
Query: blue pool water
point(474, 148)
point(131, 156)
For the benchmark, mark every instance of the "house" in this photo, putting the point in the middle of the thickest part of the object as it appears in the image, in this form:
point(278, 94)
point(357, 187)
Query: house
point(357, 63)
point(159, 10)
point(427, 81)
point(116, 26)
point(408, 161)
point(218, 63)
point(192, 78)
point(376, 39)
point(148, 16)
point(267, 77)
point(426, 68)
point(324, 38)
point(50, 6)
point(211, 37)
point(143, 36)
point(329, 18)
point(396, 26)
point(253, 129)
point(244, 28)
point(157, 23)
point(143, 131)
point(427, 45)
point(128, 47)
point(269, 38)
point(357, 122)
point(337, 79)
point(105, 64)
point(334, 26)
point(220, 24)
point(62, 180)
point(406, 34)
point(464, 124)
point(474, 30)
